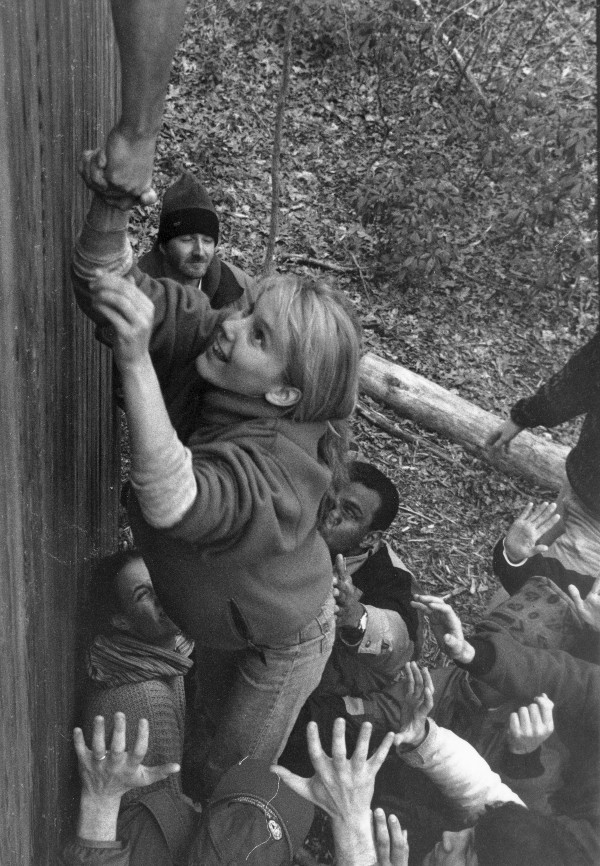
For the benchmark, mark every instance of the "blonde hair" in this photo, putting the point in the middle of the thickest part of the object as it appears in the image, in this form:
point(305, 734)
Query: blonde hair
point(322, 341)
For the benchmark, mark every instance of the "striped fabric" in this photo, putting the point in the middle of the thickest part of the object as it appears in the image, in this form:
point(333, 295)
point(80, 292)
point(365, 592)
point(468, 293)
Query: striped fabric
point(118, 659)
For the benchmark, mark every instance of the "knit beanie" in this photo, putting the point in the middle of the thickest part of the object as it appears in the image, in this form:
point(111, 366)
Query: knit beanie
point(187, 210)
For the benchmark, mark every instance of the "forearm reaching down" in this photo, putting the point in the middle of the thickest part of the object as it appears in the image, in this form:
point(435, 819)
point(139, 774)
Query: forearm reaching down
point(147, 33)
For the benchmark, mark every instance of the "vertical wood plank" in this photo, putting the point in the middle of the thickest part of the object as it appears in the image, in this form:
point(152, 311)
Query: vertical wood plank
point(58, 464)
point(15, 747)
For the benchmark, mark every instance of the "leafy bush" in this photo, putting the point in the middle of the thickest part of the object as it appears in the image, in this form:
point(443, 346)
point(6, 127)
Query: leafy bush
point(454, 167)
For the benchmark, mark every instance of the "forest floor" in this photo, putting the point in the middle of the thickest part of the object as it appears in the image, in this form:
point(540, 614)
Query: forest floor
point(488, 329)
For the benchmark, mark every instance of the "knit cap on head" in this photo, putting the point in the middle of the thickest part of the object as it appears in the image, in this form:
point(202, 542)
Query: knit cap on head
point(252, 819)
point(187, 210)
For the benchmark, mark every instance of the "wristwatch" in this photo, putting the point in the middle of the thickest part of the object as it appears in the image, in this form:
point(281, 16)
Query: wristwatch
point(352, 635)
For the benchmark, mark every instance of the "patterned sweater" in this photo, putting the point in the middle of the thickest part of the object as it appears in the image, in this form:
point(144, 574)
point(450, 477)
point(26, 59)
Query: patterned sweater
point(162, 702)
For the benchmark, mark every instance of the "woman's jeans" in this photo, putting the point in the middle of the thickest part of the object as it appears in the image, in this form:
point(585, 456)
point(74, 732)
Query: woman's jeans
point(247, 701)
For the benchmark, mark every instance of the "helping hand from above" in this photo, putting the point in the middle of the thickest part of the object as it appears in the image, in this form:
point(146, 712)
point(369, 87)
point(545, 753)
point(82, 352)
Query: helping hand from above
point(121, 171)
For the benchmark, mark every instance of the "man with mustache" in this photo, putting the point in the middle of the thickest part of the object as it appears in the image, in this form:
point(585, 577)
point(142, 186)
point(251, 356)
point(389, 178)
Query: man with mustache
point(184, 250)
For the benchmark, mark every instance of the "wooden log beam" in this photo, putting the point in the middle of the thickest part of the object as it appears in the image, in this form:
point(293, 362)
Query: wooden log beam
point(436, 408)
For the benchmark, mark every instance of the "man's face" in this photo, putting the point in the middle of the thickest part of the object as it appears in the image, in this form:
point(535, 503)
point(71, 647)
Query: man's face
point(347, 518)
point(141, 609)
point(189, 255)
point(454, 849)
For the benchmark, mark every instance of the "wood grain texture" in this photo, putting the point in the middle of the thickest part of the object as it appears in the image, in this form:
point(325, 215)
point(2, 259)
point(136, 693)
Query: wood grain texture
point(58, 463)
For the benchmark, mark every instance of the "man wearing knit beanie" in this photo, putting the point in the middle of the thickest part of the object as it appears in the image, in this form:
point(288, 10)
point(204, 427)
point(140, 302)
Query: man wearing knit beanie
point(184, 250)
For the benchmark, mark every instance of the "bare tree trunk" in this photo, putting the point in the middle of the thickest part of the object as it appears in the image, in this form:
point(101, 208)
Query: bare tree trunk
point(432, 406)
point(268, 265)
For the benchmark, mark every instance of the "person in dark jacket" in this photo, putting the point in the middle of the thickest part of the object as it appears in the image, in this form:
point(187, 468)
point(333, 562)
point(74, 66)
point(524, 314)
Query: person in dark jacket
point(572, 391)
point(377, 629)
point(184, 251)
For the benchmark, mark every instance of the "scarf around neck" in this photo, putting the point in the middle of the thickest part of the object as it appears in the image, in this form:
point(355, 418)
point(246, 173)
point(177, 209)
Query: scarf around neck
point(120, 659)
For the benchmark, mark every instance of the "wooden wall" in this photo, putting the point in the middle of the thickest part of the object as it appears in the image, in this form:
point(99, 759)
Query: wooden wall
point(58, 465)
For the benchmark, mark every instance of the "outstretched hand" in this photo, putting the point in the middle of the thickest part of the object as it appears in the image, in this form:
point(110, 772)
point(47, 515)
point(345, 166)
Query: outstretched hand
point(121, 171)
point(342, 787)
point(391, 840)
point(531, 524)
point(446, 627)
point(417, 705)
point(501, 438)
point(588, 608)
point(107, 774)
point(530, 726)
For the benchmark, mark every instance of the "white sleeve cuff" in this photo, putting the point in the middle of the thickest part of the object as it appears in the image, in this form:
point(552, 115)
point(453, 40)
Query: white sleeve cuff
point(103, 243)
point(164, 483)
point(512, 564)
point(87, 262)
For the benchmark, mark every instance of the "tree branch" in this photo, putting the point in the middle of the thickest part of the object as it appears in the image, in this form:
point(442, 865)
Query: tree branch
point(455, 56)
point(316, 263)
point(381, 421)
point(268, 265)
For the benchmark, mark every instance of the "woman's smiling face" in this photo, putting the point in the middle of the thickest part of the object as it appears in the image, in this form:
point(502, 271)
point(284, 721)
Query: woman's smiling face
point(247, 354)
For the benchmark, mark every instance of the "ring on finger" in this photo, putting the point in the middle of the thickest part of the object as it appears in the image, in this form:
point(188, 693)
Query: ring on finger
point(100, 757)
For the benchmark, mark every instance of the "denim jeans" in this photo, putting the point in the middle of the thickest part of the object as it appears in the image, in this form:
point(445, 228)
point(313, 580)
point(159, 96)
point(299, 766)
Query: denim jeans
point(247, 701)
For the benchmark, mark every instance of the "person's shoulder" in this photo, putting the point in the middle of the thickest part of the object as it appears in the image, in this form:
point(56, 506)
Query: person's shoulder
point(241, 277)
point(394, 558)
point(133, 699)
point(235, 288)
point(383, 571)
point(151, 263)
